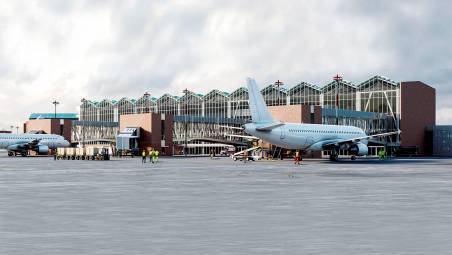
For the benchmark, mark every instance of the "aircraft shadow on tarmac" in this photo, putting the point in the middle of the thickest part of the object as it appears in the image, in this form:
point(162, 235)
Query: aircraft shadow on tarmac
point(372, 174)
point(388, 161)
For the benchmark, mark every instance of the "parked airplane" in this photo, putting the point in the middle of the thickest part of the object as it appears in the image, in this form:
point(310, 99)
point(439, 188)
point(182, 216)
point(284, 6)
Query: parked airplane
point(21, 143)
point(313, 137)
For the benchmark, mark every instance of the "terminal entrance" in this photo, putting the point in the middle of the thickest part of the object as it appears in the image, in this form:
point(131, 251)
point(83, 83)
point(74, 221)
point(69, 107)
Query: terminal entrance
point(127, 140)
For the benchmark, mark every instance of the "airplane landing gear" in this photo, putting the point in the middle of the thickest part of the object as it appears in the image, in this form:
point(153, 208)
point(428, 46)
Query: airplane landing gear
point(353, 157)
point(334, 156)
point(23, 153)
point(10, 153)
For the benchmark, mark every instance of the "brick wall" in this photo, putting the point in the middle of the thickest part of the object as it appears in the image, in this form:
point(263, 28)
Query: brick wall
point(418, 111)
point(50, 126)
point(150, 125)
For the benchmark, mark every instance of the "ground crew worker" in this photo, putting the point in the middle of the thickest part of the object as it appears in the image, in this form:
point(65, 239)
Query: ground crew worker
point(156, 154)
point(150, 155)
point(143, 157)
point(153, 156)
point(382, 154)
point(245, 156)
point(297, 157)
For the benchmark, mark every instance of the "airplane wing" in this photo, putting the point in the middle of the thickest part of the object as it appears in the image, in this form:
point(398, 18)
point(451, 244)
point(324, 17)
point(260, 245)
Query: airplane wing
point(242, 136)
point(238, 128)
point(25, 145)
point(269, 127)
point(356, 139)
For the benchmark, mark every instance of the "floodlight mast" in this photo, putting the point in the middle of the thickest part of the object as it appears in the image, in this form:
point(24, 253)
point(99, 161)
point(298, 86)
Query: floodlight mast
point(186, 93)
point(278, 84)
point(338, 79)
point(147, 95)
point(55, 103)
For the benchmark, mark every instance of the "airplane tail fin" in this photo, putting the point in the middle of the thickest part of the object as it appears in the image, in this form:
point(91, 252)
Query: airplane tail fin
point(258, 108)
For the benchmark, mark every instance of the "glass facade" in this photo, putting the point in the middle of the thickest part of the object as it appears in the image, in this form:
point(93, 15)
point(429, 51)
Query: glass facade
point(168, 104)
point(342, 93)
point(106, 110)
point(146, 104)
point(216, 104)
point(274, 95)
point(377, 95)
point(239, 108)
point(381, 95)
point(442, 140)
point(305, 93)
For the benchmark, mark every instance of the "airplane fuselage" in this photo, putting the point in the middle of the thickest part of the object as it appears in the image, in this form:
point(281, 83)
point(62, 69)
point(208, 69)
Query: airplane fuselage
point(52, 141)
point(304, 136)
point(314, 137)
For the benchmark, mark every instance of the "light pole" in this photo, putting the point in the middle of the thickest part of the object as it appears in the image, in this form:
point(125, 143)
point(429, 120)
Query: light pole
point(55, 103)
point(185, 91)
point(82, 116)
point(278, 84)
point(17, 130)
point(12, 127)
point(148, 105)
point(338, 79)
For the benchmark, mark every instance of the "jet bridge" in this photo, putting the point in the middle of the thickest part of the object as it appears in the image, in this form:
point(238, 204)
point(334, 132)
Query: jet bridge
point(128, 138)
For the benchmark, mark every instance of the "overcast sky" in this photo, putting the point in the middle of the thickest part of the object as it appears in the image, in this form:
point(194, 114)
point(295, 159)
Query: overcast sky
point(68, 50)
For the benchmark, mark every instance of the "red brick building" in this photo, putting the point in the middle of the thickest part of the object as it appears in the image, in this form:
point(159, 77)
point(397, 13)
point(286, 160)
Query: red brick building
point(156, 130)
point(418, 112)
point(50, 126)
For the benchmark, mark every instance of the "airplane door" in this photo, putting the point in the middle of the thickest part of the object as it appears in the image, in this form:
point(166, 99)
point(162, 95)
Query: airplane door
point(283, 134)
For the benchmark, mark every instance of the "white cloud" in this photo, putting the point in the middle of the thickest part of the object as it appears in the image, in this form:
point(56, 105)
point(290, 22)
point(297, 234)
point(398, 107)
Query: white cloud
point(67, 50)
point(444, 116)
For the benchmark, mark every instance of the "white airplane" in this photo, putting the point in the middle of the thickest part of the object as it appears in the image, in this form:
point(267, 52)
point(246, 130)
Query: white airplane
point(21, 143)
point(313, 137)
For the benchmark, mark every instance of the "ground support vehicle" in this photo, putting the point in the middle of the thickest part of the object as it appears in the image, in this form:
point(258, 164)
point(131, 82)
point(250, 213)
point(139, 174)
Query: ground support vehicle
point(88, 153)
point(252, 154)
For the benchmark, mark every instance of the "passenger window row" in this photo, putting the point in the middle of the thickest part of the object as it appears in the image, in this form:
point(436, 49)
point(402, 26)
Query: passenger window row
point(320, 131)
point(15, 138)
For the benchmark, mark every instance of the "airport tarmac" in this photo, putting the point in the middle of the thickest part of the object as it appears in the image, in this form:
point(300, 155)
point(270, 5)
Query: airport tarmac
point(203, 206)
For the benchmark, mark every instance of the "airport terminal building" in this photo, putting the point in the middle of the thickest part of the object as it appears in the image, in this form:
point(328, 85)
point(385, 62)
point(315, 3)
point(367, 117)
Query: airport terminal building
point(199, 122)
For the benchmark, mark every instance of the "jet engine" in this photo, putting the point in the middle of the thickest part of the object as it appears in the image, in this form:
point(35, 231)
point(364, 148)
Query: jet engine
point(42, 149)
point(359, 149)
point(14, 147)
